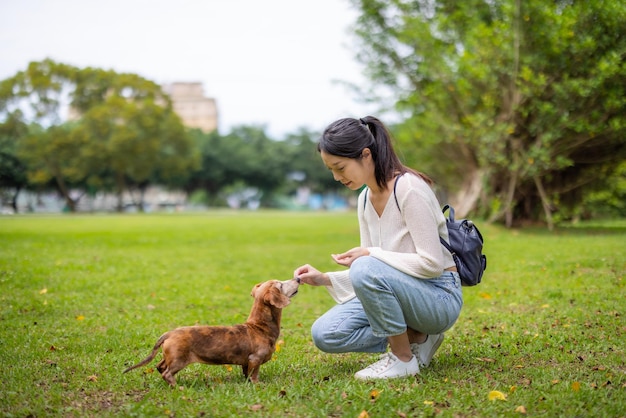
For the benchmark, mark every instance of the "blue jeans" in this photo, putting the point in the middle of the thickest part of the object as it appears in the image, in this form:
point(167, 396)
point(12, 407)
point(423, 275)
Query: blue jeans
point(388, 301)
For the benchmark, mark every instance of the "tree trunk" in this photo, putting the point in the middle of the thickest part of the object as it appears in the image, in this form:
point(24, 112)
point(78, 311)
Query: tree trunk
point(69, 202)
point(544, 202)
point(464, 200)
point(119, 180)
point(14, 198)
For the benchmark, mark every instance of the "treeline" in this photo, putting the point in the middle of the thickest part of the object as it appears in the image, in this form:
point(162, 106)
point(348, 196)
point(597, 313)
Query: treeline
point(517, 109)
point(89, 130)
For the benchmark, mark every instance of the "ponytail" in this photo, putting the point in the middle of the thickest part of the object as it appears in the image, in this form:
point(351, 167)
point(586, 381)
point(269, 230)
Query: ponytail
point(387, 164)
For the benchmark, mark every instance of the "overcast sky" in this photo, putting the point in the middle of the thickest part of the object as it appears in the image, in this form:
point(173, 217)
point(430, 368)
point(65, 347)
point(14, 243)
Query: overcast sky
point(266, 62)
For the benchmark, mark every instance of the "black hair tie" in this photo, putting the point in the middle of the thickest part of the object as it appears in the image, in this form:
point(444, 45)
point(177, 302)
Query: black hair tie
point(362, 122)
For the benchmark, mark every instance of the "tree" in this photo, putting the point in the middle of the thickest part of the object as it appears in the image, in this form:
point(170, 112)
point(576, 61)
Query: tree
point(246, 156)
point(303, 157)
point(57, 154)
point(96, 129)
point(523, 104)
point(12, 169)
point(30, 102)
point(135, 144)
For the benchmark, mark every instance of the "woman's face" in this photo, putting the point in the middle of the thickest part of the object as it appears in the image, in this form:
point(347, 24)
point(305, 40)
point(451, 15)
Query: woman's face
point(351, 172)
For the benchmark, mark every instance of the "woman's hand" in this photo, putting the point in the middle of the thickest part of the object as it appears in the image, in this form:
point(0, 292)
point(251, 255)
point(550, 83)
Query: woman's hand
point(347, 258)
point(311, 276)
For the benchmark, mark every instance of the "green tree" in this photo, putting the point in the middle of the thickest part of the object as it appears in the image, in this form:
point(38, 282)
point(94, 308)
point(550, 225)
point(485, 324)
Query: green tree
point(30, 103)
point(56, 154)
point(13, 176)
point(303, 157)
point(520, 103)
point(245, 157)
point(95, 129)
point(136, 144)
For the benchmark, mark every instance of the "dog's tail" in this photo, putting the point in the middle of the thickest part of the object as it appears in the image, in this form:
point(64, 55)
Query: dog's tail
point(153, 354)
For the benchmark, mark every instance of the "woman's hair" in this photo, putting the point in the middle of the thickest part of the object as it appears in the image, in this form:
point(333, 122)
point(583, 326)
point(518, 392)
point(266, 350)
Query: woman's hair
point(348, 137)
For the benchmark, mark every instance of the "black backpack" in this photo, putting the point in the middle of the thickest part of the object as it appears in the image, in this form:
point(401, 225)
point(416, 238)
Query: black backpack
point(466, 245)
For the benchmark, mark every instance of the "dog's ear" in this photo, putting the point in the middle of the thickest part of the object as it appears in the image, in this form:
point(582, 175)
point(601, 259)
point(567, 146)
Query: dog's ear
point(254, 289)
point(275, 297)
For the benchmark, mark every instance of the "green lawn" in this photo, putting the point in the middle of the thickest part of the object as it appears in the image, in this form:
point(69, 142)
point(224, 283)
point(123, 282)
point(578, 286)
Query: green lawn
point(83, 297)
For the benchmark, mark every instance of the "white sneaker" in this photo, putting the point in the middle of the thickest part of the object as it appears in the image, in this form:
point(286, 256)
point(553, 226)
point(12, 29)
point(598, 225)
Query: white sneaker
point(388, 367)
point(426, 350)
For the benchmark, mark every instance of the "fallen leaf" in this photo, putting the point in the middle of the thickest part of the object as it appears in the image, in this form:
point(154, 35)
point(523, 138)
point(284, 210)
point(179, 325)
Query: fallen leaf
point(428, 403)
point(576, 386)
point(521, 409)
point(93, 378)
point(43, 291)
point(485, 295)
point(80, 317)
point(364, 414)
point(256, 407)
point(374, 394)
point(496, 395)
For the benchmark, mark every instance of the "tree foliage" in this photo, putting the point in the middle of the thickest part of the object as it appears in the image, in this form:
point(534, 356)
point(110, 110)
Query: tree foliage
point(12, 169)
point(246, 156)
point(91, 129)
point(520, 103)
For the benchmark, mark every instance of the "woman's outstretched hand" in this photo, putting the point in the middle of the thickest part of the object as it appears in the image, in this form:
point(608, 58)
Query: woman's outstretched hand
point(311, 276)
point(347, 258)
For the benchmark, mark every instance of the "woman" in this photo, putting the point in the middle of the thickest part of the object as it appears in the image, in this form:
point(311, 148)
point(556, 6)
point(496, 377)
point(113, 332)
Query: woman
point(401, 288)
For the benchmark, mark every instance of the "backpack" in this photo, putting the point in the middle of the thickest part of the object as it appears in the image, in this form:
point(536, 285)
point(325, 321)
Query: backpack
point(466, 245)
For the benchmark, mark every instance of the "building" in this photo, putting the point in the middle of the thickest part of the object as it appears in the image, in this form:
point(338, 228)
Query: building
point(195, 110)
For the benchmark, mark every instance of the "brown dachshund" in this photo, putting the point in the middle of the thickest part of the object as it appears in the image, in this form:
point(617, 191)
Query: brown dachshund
point(249, 344)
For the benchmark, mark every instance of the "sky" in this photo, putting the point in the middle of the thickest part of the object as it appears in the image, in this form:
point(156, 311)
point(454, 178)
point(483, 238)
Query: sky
point(270, 63)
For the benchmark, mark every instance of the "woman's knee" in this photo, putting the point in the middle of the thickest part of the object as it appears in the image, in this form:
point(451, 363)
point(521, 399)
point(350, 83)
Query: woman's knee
point(361, 271)
point(321, 336)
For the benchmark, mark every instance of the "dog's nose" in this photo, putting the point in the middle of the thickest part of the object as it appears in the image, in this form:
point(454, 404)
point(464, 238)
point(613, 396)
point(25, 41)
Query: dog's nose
point(297, 279)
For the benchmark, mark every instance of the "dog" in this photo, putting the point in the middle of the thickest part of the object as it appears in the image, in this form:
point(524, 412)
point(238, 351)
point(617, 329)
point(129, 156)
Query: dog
point(249, 344)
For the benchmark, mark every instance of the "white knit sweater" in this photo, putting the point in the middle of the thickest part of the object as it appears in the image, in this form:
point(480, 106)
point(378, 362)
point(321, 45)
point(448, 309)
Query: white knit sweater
point(406, 239)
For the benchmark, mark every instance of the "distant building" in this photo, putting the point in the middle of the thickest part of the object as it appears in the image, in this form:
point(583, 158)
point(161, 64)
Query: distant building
point(195, 110)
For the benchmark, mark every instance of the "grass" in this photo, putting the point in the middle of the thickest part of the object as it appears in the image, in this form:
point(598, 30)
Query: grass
point(82, 297)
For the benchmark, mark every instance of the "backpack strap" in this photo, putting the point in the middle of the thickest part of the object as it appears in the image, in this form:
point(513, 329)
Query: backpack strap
point(365, 198)
point(394, 194)
point(451, 214)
